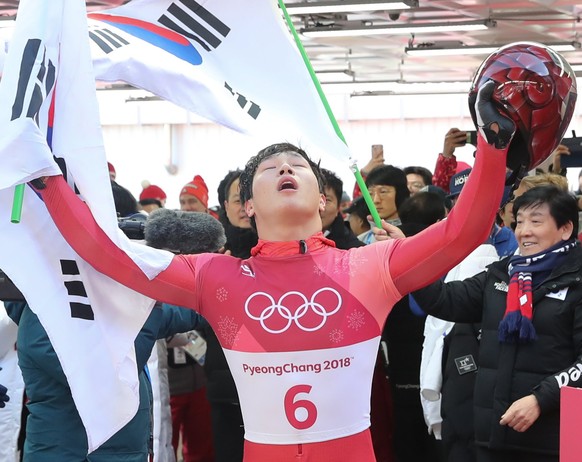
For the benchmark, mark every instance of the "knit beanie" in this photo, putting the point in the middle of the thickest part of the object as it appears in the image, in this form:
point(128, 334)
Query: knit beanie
point(151, 191)
point(111, 168)
point(462, 166)
point(183, 232)
point(197, 188)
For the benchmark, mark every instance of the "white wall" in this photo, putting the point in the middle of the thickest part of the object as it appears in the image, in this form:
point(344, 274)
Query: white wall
point(142, 138)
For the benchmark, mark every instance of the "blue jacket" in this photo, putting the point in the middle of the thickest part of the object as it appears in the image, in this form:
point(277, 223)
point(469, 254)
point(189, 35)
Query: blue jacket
point(54, 429)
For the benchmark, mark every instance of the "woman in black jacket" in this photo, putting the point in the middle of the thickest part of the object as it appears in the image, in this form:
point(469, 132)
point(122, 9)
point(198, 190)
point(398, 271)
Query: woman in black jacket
point(530, 307)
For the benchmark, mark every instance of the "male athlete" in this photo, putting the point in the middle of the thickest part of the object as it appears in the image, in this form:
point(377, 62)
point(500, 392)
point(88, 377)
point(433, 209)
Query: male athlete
point(300, 320)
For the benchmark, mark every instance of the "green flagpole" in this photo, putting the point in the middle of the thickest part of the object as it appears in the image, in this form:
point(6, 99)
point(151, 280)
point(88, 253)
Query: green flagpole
point(353, 166)
point(17, 203)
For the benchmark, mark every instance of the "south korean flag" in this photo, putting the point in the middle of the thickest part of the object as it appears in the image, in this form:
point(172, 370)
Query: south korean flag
point(49, 125)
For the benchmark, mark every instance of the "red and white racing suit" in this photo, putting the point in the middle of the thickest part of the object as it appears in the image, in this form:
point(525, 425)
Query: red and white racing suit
point(299, 321)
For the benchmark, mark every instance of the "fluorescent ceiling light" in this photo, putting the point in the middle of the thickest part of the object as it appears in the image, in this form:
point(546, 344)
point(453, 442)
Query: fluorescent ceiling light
point(335, 76)
point(335, 31)
point(348, 6)
point(436, 50)
point(397, 87)
point(576, 67)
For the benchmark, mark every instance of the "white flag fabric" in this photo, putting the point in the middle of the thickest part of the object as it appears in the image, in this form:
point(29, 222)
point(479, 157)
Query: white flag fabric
point(231, 61)
point(91, 320)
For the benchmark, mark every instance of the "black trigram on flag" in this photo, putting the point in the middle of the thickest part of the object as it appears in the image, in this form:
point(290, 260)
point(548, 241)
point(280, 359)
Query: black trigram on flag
point(192, 20)
point(68, 178)
point(76, 291)
point(106, 39)
point(33, 89)
point(252, 109)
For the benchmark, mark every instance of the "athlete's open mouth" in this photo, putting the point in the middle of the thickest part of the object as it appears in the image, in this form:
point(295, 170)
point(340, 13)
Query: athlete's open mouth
point(287, 184)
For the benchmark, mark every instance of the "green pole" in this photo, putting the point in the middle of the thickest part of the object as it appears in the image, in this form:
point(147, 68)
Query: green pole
point(353, 166)
point(17, 203)
point(367, 197)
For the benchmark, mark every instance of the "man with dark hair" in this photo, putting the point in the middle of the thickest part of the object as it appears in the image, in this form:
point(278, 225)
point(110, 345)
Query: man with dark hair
point(300, 321)
point(388, 188)
point(358, 213)
point(417, 178)
point(333, 224)
point(125, 202)
point(240, 235)
point(253, 164)
point(424, 209)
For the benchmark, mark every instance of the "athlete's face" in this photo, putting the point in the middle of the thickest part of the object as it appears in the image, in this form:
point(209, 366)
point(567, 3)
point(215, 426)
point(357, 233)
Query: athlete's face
point(285, 183)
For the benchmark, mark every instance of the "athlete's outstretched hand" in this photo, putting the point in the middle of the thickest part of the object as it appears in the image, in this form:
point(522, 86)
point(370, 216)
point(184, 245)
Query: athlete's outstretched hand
point(497, 128)
point(38, 183)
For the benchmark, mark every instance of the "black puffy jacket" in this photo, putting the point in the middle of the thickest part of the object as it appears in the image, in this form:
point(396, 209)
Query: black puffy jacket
point(508, 372)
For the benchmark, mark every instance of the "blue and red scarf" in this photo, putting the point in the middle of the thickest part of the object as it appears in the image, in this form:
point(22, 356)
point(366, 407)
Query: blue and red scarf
point(524, 273)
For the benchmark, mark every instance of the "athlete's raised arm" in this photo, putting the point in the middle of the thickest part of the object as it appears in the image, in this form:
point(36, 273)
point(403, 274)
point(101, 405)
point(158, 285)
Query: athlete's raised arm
point(423, 258)
point(175, 285)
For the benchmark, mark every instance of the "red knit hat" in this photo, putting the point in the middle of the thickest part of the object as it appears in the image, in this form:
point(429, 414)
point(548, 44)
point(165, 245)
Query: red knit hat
point(461, 166)
point(151, 191)
point(197, 188)
point(111, 168)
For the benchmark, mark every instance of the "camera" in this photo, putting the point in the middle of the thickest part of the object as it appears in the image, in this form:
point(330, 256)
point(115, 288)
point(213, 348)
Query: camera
point(133, 226)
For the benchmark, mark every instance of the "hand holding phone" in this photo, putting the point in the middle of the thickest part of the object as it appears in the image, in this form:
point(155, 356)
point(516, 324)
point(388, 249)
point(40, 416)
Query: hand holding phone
point(376, 160)
point(454, 138)
point(378, 152)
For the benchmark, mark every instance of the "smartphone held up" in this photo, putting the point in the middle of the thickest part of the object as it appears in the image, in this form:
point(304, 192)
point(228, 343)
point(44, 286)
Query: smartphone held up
point(378, 151)
point(472, 137)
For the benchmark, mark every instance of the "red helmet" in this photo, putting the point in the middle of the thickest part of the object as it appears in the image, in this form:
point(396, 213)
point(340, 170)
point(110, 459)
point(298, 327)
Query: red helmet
point(536, 87)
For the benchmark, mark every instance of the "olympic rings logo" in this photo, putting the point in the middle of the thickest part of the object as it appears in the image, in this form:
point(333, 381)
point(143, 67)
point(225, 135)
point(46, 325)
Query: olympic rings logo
point(279, 310)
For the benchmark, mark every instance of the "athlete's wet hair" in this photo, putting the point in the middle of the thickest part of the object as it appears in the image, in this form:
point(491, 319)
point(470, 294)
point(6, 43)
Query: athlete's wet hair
point(248, 174)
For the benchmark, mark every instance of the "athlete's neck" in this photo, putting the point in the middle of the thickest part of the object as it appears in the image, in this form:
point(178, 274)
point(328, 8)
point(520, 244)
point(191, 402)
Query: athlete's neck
point(288, 230)
point(293, 247)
